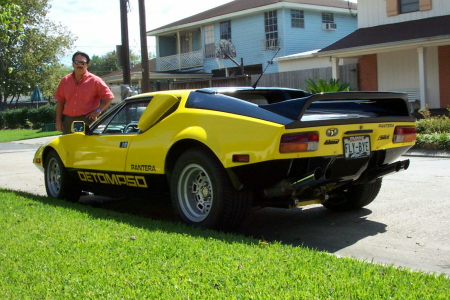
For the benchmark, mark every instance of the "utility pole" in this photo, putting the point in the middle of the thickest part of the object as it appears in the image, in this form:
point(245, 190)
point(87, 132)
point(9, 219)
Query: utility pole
point(125, 43)
point(144, 50)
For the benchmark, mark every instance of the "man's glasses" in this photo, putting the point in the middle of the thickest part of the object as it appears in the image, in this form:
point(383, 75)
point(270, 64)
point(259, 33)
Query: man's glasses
point(79, 62)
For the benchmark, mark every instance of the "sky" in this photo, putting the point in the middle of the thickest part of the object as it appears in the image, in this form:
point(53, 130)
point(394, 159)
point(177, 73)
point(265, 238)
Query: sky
point(96, 23)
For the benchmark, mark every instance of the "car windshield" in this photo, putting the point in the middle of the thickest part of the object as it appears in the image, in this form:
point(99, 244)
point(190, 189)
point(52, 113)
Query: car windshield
point(124, 121)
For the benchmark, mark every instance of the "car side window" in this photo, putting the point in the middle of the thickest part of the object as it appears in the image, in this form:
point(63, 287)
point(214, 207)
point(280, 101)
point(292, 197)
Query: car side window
point(124, 121)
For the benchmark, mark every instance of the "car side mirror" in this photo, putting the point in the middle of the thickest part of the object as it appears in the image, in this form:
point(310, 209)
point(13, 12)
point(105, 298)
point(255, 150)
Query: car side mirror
point(78, 126)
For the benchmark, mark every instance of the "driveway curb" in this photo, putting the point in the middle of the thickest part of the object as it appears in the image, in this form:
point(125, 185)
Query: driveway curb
point(428, 153)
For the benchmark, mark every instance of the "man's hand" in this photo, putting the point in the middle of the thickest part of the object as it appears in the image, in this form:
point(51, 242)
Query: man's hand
point(59, 125)
point(93, 115)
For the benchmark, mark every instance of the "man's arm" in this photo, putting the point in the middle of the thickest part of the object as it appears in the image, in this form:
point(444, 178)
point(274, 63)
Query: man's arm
point(59, 111)
point(104, 103)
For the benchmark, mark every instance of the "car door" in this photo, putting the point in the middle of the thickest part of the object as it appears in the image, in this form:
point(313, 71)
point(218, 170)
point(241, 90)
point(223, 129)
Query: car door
point(106, 146)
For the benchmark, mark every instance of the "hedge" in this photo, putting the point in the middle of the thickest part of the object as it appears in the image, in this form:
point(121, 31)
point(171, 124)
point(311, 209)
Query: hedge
point(433, 141)
point(432, 125)
point(27, 117)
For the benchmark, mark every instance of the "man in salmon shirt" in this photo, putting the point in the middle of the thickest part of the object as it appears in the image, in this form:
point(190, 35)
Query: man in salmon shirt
point(81, 96)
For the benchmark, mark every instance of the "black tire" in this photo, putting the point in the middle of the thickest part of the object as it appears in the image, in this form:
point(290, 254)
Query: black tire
point(202, 193)
point(57, 183)
point(355, 197)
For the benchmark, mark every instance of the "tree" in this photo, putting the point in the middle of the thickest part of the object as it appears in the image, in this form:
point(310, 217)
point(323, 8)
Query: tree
point(31, 57)
point(105, 64)
point(11, 18)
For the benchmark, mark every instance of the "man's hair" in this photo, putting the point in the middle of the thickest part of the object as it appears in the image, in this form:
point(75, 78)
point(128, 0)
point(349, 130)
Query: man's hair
point(82, 54)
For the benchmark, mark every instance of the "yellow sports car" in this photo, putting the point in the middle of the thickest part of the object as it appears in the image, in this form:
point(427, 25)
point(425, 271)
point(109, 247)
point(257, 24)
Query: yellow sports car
point(220, 151)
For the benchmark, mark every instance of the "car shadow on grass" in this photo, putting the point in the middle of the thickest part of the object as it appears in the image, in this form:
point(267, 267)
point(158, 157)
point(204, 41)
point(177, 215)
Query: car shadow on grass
point(314, 227)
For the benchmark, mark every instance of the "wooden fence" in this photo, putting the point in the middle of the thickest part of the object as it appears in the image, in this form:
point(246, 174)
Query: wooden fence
point(291, 79)
point(296, 79)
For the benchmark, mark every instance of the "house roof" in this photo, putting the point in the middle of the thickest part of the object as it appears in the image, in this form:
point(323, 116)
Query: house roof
point(306, 54)
point(237, 6)
point(137, 69)
point(428, 29)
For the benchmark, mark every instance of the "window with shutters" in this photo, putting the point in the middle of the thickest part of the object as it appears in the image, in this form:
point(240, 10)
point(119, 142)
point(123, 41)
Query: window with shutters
point(395, 7)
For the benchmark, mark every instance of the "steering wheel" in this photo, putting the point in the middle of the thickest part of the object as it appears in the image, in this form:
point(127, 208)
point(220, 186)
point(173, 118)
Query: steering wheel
point(131, 128)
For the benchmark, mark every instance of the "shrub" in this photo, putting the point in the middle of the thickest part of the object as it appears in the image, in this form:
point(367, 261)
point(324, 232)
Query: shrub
point(431, 125)
point(322, 86)
point(433, 133)
point(33, 118)
point(46, 114)
point(433, 141)
point(15, 118)
point(28, 117)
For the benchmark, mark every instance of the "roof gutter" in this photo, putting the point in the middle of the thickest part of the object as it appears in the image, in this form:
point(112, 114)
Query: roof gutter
point(386, 47)
point(265, 8)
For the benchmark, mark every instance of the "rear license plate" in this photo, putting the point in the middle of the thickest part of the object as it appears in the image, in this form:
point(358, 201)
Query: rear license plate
point(356, 146)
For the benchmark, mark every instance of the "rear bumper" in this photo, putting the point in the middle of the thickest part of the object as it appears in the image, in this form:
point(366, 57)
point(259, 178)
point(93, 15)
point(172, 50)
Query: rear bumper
point(315, 171)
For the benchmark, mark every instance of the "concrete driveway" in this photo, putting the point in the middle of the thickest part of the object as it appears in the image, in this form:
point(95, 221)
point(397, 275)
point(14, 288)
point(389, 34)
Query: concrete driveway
point(407, 225)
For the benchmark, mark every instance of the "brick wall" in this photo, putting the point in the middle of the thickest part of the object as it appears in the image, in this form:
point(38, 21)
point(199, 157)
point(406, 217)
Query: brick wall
point(367, 73)
point(444, 75)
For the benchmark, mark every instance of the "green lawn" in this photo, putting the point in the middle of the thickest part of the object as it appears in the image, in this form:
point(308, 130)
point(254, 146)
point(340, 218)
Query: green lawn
point(52, 249)
point(24, 134)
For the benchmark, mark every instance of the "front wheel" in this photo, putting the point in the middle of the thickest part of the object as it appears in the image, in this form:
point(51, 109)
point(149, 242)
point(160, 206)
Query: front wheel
point(57, 183)
point(202, 193)
point(356, 196)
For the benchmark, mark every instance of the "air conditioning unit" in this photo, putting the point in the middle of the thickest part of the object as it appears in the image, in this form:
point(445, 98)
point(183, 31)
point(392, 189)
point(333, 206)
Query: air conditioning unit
point(329, 26)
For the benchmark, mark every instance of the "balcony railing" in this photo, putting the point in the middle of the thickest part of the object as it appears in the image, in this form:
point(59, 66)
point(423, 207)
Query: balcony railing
point(181, 61)
point(271, 44)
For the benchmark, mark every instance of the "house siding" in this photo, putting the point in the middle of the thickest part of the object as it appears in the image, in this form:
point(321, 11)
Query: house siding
point(167, 46)
point(248, 35)
point(196, 42)
point(444, 75)
point(374, 12)
point(297, 40)
point(247, 43)
point(432, 92)
point(398, 70)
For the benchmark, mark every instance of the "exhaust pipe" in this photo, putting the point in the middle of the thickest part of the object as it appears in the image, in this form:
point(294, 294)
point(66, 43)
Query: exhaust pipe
point(381, 171)
point(288, 188)
point(308, 180)
point(316, 178)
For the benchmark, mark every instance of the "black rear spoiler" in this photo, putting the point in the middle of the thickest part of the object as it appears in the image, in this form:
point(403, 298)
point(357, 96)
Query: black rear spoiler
point(378, 106)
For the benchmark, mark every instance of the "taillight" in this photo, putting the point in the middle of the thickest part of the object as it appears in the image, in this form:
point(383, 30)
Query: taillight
point(404, 134)
point(241, 158)
point(299, 142)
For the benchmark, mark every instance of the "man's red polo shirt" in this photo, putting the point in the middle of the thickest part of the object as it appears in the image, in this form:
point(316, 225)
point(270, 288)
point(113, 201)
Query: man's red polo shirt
point(84, 97)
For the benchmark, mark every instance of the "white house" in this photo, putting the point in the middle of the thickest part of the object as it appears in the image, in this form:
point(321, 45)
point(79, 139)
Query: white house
point(400, 45)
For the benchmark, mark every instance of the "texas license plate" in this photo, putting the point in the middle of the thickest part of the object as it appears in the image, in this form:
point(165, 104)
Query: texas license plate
point(356, 146)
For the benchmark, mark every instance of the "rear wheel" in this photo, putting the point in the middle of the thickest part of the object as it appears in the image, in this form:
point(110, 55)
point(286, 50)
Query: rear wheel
point(202, 193)
point(57, 183)
point(354, 197)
